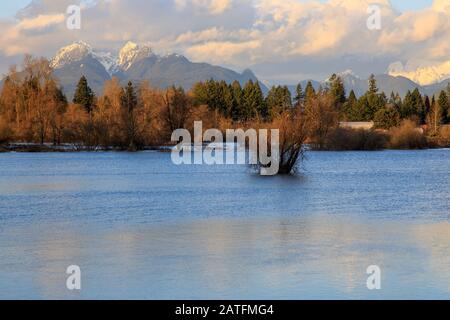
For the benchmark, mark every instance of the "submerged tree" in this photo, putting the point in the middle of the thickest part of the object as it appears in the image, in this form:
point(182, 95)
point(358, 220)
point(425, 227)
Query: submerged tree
point(293, 134)
point(292, 137)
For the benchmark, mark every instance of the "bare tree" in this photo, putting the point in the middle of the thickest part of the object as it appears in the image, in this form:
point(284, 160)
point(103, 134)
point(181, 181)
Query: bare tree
point(320, 117)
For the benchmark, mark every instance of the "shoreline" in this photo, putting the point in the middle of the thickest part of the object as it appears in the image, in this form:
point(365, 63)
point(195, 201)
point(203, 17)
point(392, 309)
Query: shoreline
point(71, 148)
point(64, 148)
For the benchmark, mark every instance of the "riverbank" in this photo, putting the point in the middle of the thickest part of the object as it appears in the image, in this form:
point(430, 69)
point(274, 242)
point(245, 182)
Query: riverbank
point(51, 148)
point(48, 147)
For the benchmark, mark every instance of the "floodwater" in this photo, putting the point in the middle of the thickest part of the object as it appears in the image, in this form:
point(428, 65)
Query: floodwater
point(140, 227)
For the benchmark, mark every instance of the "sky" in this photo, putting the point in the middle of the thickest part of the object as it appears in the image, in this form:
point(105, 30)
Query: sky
point(282, 41)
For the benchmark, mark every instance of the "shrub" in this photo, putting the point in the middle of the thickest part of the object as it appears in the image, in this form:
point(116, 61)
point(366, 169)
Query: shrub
point(444, 136)
point(407, 136)
point(387, 118)
point(5, 131)
point(346, 139)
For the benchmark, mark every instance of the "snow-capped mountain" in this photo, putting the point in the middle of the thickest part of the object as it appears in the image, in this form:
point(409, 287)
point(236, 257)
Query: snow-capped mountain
point(108, 60)
point(424, 75)
point(71, 53)
point(80, 50)
point(131, 53)
point(136, 63)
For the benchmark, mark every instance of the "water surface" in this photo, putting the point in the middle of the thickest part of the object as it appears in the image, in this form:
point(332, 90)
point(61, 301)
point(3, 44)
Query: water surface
point(142, 228)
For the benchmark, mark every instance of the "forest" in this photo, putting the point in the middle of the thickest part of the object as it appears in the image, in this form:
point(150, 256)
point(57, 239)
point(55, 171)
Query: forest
point(34, 109)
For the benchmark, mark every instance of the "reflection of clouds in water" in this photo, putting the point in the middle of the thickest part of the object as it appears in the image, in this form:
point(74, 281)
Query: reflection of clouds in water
point(51, 256)
point(23, 187)
point(299, 257)
point(435, 241)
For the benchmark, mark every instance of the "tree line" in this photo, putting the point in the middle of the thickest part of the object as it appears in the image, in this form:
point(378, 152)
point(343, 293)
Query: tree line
point(33, 108)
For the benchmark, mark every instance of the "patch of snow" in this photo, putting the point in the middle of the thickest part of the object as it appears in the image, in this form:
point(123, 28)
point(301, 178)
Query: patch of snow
point(108, 60)
point(348, 73)
point(71, 53)
point(131, 53)
point(423, 75)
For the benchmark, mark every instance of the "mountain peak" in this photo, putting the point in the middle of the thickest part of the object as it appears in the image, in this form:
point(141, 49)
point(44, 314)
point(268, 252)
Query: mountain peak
point(348, 73)
point(423, 75)
point(135, 62)
point(131, 53)
point(71, 53)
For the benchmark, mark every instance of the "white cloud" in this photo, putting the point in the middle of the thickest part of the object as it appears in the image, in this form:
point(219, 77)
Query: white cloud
point(40, 21)
point(212, 6)
point(423, 75)
point(246, 32)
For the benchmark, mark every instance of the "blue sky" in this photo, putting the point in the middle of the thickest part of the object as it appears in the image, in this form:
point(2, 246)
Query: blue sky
point(404, 5)
point(9, 8)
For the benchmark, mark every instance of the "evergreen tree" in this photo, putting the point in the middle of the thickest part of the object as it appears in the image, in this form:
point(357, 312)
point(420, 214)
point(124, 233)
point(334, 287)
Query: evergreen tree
point(407, 108)
point(299, 98)
point(373, 88)
point(128, 98)
point(426, 111)
point(372, 101)
point(392, 98)
point(351, 113)
point(278, 100)
point(387, 118)
point(310, 92)
point(226, 99)
point(444, 107)
point(237, 94)
point(337, 89)
point(253, 101)
point(413, 105)
point(129, 102)
point(363, 110)
point(397, 103)
point(84, 95)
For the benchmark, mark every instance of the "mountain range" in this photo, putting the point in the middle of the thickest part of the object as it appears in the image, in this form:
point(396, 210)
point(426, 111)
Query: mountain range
point(386, 83)
point(136, 63)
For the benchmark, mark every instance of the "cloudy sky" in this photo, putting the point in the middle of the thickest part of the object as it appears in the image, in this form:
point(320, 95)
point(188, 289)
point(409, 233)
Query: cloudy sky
point(282, 41)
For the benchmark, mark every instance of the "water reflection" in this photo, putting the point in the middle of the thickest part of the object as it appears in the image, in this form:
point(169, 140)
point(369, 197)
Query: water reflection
point(295, 258)
point(140, 227)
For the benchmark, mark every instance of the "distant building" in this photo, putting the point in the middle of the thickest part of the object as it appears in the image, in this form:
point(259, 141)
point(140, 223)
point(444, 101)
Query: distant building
point(357, 125)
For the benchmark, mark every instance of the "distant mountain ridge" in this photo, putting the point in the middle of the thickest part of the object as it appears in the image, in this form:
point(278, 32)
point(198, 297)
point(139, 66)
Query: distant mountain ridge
point(135, 63)
point(138, 63)
point(386, 83)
